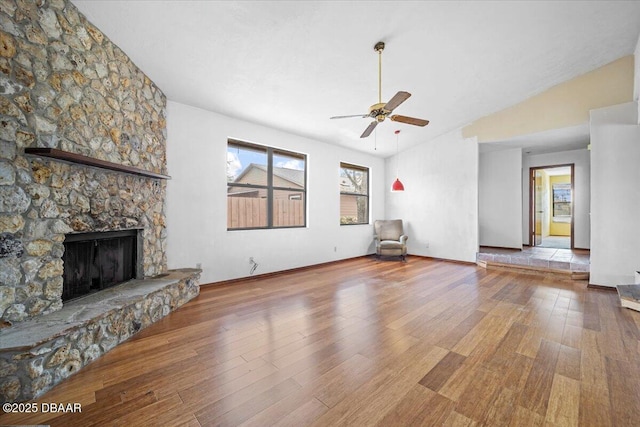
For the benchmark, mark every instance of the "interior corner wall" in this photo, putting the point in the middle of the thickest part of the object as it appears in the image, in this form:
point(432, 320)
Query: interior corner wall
point(500, 198)
point(615, 195)
point(439, 206)
point(196, 200)
point(581, 191)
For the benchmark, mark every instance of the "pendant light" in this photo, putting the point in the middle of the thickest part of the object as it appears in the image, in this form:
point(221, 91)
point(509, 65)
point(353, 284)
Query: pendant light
point(397, 184)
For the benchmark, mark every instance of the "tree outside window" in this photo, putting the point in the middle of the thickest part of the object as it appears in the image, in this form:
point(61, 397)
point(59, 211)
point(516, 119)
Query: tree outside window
point(354, 194)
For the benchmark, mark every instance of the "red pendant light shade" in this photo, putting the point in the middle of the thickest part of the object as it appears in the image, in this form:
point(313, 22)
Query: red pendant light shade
point(397, 185)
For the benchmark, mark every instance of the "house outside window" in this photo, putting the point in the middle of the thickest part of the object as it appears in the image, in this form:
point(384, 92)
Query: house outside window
point(266, 187)
point(354, 194)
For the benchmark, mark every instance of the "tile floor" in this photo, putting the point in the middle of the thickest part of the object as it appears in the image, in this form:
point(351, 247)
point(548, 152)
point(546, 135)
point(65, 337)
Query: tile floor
point(558, 242)
point(557, 259)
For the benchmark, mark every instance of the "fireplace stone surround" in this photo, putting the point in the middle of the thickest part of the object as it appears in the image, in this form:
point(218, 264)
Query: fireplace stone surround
point(66, 88)
point(40, 353)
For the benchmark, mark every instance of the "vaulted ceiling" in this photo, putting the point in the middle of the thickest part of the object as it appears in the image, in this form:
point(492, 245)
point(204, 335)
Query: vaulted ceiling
point(291, 65)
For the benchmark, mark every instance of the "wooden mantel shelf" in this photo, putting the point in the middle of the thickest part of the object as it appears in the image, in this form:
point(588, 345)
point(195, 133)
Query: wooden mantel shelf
point(90, 161)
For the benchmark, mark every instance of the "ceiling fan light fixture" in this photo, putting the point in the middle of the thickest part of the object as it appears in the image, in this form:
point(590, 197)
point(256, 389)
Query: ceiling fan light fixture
point(381, 110)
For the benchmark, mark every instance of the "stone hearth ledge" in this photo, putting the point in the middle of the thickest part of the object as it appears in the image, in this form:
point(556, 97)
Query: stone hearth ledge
point(37, 354)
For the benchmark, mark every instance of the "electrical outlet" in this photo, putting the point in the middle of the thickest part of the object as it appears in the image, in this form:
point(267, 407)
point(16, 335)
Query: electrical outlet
point(199, 265)
point(335, 249)
point(426, 245)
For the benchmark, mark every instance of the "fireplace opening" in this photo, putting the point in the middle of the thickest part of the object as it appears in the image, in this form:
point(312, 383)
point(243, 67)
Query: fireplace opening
point(100, 260)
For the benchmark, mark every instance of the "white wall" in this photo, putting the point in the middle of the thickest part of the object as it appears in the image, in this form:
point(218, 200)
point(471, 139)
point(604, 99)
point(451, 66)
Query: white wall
point(581, 193)
point(636, 75)
point(546, 204)
point(440, 203)
point(615, 195)
point(196, 200)
point(500, 198)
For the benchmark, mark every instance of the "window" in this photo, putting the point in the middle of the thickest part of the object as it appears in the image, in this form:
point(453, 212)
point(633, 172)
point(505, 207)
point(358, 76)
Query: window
point(354, 194)
point(266, 187)
point(561, 202)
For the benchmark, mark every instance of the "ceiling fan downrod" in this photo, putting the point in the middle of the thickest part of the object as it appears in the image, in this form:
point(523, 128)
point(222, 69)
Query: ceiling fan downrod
point(379, 47)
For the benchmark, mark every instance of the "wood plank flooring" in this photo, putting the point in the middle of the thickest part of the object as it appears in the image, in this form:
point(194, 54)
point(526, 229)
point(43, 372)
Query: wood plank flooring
point(366, 342)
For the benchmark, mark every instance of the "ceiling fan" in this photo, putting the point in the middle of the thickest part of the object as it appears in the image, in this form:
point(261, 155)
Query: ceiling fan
point(381, 110)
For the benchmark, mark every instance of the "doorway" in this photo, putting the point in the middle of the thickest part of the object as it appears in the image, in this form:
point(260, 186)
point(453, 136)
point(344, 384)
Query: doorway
point(551, 206)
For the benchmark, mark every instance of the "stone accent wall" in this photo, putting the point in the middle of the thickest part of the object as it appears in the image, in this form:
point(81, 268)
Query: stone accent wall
point(58, 347)
point(64, 85)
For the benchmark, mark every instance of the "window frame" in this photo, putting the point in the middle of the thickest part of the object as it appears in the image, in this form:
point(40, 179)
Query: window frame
point(269, 186)
point(561, 191)
point(345, 165)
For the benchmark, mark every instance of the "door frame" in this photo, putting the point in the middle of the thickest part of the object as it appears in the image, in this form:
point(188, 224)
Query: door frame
point(532, 171)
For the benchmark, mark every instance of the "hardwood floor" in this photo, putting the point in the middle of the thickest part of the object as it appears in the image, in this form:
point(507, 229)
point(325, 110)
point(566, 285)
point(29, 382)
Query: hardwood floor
point(366, 342)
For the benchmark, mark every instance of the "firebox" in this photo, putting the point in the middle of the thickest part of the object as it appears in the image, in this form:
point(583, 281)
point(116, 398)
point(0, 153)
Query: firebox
point(99, 260)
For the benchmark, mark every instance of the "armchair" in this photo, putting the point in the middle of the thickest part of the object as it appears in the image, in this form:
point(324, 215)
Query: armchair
point(390, 238)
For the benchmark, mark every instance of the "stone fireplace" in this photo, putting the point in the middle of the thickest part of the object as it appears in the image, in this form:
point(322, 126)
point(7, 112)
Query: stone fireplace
point(66, 88)
point(82, 150)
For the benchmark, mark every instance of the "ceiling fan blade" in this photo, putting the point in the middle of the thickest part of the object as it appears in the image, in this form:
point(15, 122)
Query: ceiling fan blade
point(409, 120)
point(397, 99)
point(369, 129)
point(346, 117)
